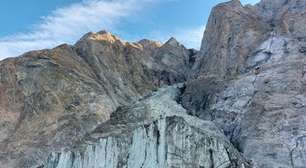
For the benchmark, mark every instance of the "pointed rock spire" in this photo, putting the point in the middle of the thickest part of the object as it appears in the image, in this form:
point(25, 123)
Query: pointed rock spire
point(173, 42)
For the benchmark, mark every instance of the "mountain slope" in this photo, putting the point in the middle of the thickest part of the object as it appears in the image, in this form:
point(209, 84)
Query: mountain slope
point(238, 102)
point(52, 98)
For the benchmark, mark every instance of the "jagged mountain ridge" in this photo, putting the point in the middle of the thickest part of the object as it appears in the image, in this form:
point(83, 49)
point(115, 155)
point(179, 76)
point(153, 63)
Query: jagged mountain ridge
point(104, 102)
point(52, 98)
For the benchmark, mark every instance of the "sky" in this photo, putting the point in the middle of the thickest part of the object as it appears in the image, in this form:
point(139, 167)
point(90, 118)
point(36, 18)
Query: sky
point(36, 24)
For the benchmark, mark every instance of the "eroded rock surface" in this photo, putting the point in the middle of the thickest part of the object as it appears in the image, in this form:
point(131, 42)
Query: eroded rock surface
point(155, 132)
point(234, 31)
point(52, 98)
point(259, 104)
point(103, 102)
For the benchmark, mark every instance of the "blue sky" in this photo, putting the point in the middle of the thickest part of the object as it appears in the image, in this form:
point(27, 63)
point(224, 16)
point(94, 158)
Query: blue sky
point(37, 24)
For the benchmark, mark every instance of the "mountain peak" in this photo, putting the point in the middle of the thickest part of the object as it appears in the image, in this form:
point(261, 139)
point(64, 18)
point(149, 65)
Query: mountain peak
point(232, 3)
point(150, 43)
point(101, 36)
point(172, 42)
point(235, 1)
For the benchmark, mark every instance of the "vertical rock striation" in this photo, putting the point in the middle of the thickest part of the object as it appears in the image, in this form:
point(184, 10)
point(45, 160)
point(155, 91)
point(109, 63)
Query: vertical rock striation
point(256, 94)
point(105, 102)
point(232, 32)
point(52, 98)
point(162, 137)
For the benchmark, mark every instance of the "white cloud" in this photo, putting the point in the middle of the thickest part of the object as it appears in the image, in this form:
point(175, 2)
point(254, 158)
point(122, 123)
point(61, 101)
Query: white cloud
point(66, 25)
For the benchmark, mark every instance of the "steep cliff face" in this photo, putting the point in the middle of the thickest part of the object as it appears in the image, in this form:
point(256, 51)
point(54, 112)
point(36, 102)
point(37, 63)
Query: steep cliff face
point(285, 16)
point(238, 102)
point(52, 98)
point(155, 132)
point(262, 112)
point(169, 142)
point(232, 32)
point(261, 109)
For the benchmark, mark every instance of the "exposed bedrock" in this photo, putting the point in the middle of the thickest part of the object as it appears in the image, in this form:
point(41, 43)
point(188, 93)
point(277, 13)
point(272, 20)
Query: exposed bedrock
point(50, 99)
point(155, 132)
point(256, 94)
point(238, 102)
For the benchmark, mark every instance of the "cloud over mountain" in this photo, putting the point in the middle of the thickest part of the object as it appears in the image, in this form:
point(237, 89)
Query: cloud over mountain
point(67, 24)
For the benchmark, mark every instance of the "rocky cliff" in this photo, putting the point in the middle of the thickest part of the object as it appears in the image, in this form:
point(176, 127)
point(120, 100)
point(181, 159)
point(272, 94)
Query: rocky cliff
point(52, 98)
point(256, 94)
point(154, 132)
point(239, 102)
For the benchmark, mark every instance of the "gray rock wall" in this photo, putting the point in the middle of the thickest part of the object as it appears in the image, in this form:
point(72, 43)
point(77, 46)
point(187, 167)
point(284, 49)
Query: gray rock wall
point(169, 142)
point(262, 112)
point(102, 102)
point(163, 136)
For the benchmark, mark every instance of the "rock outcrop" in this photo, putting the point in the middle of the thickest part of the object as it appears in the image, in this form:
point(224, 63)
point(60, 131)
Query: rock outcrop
point(239, 102)
point(256, 94)
point(232, 33)
point(51, 98)
point(155, 132)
